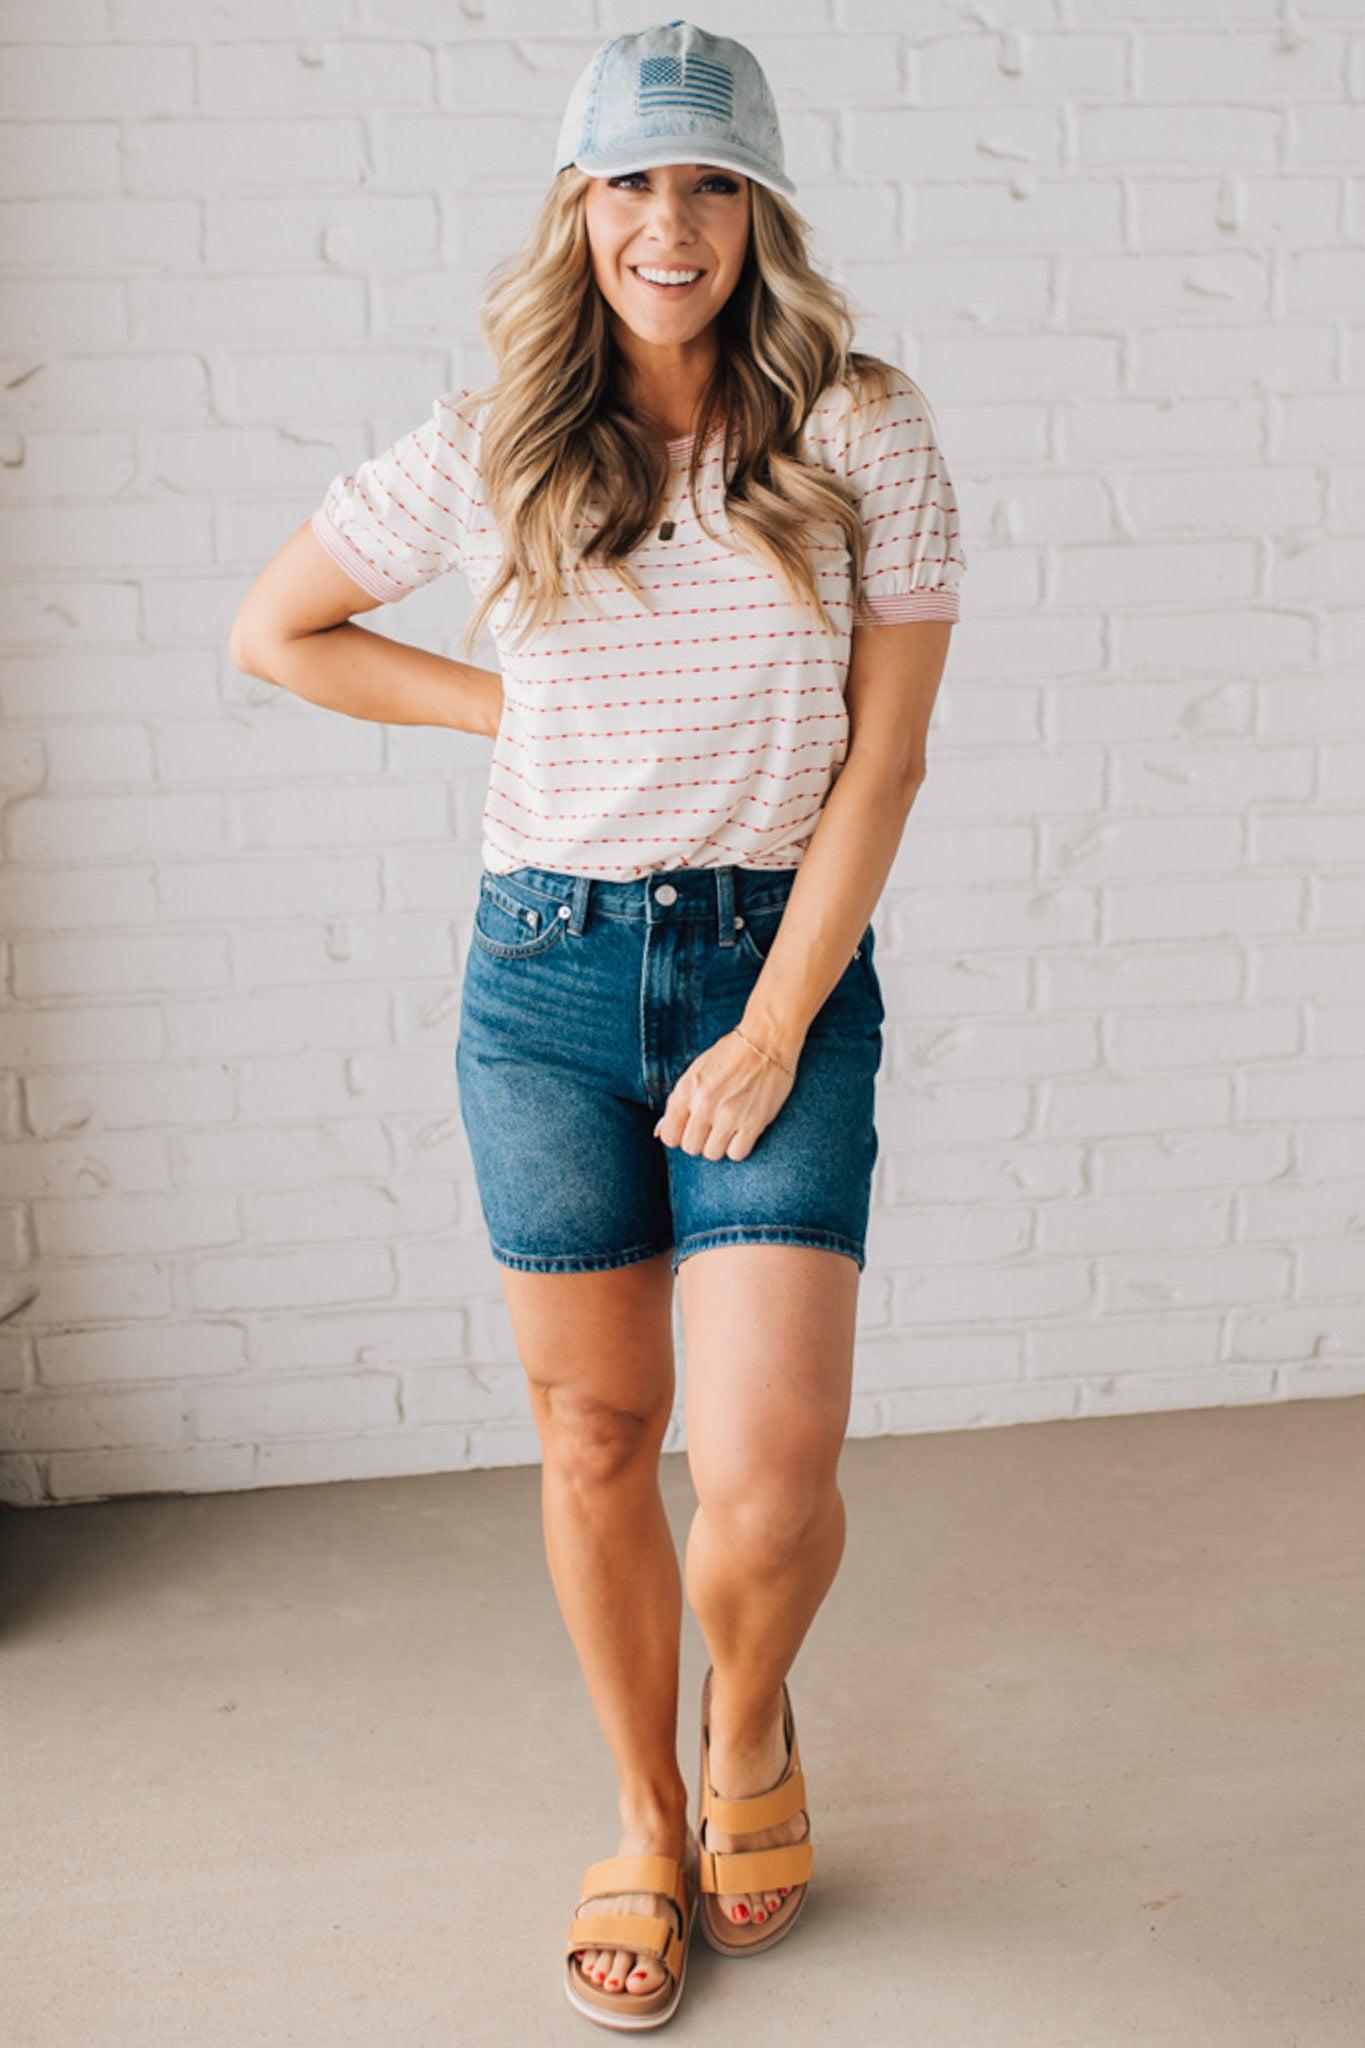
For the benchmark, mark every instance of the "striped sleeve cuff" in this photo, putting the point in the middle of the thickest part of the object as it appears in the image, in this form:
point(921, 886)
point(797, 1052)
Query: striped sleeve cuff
point(371, 578)
point(900, 607)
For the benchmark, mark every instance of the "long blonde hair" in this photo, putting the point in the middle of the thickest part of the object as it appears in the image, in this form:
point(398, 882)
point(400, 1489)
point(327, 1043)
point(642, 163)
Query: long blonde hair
point(558, 445)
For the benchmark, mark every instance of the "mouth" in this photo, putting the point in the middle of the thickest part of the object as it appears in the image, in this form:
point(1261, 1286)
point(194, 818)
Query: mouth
point(676, 291)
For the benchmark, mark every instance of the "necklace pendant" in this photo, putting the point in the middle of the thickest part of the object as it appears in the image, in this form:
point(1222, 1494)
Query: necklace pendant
point(666, 530)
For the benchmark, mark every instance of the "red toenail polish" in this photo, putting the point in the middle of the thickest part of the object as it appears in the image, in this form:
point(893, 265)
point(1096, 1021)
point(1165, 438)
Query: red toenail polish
point(741, 1912)
point(760, 1915)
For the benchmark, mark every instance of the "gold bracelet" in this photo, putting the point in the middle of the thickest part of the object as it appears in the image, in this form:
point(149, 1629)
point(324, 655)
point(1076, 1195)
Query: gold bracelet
point(765, 1055)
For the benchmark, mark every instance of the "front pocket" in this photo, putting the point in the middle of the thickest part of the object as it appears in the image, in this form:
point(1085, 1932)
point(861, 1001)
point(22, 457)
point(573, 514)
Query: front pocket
point(509, 929)
point(759, 929)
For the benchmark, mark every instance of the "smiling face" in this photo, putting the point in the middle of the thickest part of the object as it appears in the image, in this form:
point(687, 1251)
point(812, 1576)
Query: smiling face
point(672, 219)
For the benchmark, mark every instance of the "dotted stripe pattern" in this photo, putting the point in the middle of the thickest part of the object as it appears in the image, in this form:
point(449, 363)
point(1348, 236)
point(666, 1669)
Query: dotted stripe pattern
point(708, 727)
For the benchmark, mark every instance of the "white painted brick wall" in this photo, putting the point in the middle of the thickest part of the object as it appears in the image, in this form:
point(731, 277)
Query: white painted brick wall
point(1123, 1104)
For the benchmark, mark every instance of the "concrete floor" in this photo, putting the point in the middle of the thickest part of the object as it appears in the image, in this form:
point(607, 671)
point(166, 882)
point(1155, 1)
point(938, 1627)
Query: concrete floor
point(1081, 1723)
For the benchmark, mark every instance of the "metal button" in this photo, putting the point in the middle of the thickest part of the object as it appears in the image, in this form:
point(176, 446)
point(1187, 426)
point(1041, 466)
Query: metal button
point(738, 922)
point(665, 893)
point(563, 910)
point(533, 918)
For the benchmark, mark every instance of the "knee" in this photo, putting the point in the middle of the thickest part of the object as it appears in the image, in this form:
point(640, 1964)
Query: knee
point(590, 1442)
point(772, 1513)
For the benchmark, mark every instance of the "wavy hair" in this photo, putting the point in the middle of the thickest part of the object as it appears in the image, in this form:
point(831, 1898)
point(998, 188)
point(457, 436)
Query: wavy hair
point(560, 451)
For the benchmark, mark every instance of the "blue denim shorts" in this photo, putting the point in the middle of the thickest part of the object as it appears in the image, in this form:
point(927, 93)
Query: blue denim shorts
point(584, 1001)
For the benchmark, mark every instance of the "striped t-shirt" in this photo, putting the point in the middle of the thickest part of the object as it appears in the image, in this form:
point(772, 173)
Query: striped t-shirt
point(708, 731)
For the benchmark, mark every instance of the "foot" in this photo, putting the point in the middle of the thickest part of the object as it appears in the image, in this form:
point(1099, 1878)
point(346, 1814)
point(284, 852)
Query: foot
point(617, 1969)
point(736, 1773)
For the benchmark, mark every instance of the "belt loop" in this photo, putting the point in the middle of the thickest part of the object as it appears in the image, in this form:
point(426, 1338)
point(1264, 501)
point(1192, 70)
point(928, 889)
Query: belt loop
point(725, 906)
point(579, 900)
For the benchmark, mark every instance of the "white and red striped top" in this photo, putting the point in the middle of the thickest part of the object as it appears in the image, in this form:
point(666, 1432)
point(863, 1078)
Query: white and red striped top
point(709, 730)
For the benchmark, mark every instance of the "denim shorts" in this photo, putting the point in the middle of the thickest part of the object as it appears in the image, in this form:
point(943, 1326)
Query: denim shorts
point(583, 1003)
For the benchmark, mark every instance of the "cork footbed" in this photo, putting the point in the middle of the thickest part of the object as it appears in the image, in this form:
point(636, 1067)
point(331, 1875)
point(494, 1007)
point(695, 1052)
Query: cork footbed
point(664, 1936)
point(752, 1870)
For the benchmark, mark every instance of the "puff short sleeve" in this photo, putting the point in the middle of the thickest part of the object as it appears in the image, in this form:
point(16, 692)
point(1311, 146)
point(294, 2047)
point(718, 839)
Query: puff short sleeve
point(888, 452)
point(400, 520)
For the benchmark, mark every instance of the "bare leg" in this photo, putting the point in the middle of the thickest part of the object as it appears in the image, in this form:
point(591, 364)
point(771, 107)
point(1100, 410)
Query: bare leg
point(770, 1333)
point(598, 1351)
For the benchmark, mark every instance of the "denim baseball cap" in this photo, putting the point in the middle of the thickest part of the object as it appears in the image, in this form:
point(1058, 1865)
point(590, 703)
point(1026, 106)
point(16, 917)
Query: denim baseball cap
point(670, 95)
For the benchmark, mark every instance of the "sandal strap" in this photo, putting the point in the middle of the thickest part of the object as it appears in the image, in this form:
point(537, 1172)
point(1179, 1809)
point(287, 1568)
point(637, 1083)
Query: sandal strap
point(653, 1934)
point(756, 1870)
point(646, 1934)
point(760, 1809)
point(645, 1872)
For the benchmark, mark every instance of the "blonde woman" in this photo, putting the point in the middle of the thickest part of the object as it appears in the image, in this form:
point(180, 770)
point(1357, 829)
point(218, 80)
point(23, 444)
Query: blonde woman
point(718, 552)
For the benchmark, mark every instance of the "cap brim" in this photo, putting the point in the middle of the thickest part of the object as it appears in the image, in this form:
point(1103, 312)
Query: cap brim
point(677, 149)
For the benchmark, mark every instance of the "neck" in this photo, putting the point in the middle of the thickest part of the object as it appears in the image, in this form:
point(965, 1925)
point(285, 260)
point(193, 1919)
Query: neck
point(665, 386)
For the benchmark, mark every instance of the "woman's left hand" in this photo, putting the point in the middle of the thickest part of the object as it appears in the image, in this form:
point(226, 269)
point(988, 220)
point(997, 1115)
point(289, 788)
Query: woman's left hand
point(725, 1100)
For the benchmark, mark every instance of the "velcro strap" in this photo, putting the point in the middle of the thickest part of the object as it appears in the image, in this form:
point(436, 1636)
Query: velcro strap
point(760, 1809)
point(756, 1870)
point(640, 1932)
point(642, 1873)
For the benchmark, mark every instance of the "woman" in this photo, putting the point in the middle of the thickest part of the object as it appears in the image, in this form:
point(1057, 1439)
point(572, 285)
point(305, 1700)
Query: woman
point(719, 555)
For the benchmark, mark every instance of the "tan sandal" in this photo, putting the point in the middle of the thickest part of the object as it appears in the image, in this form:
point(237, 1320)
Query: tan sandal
point(752, 1870)
point(663, 1936)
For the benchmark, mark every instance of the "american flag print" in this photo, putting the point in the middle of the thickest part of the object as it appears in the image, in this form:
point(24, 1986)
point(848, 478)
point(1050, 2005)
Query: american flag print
point(694, 82)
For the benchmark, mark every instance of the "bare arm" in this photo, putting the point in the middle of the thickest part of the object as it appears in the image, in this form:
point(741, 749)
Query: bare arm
point(893, 679)
point(294, 628)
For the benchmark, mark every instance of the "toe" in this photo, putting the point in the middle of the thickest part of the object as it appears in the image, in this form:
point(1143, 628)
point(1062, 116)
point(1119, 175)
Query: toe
point(606, 1966)
point(757, 1907)
point(645, 1975)
point(616, 1973)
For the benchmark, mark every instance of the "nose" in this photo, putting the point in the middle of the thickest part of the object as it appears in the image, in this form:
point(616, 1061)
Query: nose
point(669, 211)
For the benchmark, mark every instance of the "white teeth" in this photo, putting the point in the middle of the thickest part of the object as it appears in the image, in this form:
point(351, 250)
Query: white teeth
point(667, 276)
